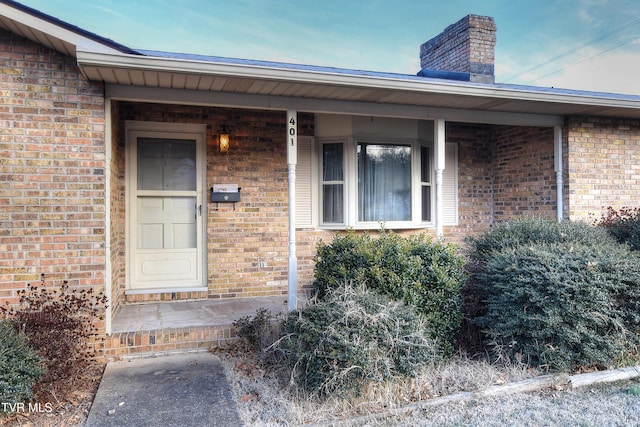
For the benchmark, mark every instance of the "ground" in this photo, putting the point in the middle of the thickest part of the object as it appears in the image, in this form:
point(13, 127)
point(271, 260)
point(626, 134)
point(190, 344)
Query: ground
point(263, 400)
point(57, 410)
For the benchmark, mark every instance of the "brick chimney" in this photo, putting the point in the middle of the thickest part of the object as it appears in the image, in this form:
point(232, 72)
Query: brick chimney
point(463, 51)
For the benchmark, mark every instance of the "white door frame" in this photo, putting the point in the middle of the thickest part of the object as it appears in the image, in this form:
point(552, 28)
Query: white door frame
point(197, 132)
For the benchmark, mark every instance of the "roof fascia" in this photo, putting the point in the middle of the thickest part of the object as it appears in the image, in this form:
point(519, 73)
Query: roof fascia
point(135, 62)
point(54, 30)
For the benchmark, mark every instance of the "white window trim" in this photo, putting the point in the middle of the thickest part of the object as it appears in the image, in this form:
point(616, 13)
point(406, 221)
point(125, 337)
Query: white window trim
point(345, 141)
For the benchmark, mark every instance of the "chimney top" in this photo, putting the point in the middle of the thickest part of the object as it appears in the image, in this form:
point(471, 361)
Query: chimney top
point(463, 51)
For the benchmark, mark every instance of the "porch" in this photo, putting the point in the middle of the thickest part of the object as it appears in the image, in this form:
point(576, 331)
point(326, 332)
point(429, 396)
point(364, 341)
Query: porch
point(181, 325)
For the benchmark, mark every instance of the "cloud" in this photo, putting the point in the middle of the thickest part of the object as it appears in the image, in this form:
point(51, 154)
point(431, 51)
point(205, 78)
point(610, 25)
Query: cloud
point(615, 72)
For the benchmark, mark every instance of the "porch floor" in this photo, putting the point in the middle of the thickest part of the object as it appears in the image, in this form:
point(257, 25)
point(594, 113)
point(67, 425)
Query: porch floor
point(181, 325)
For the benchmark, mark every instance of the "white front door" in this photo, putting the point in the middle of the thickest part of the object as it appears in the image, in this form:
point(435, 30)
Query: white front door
point(165, 208)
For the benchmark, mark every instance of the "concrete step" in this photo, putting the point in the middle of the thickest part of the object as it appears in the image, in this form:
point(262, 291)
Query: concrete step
point(181, 325)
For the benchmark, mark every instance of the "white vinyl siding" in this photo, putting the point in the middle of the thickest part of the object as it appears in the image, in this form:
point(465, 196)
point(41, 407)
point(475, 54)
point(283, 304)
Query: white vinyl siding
point(304, 183)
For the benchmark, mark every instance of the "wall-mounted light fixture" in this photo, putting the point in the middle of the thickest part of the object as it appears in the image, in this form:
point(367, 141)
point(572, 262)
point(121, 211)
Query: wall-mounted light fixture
point(223, 140)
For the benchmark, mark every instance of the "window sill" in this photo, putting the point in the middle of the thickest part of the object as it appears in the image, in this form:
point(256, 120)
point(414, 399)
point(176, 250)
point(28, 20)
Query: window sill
point(378, 226)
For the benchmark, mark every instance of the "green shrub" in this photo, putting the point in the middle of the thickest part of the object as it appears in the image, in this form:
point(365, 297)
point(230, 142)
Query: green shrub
point(424, 274)
point(352, 337)
point(556, 295)
point(59, 323)
point(524, 231)
point(20, 366)
point(623, 225)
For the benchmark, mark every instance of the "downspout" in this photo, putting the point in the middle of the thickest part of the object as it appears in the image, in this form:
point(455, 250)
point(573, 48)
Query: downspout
point(439, 146)
point(557, 155)
point(107, 215)
point(292, 160)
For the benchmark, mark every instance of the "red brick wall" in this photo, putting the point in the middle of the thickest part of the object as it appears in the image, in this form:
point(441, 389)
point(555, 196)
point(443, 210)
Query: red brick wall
point(503, 172)
point(117, 209)
point(603, 165)
point(475, 178)
point(52, 170)
point(524, 175)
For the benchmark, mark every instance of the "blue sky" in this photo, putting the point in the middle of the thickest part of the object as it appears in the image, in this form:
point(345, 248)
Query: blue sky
point(577, 44)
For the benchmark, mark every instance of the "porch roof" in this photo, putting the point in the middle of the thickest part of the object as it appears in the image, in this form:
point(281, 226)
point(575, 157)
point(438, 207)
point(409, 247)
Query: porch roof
point(231, 75)
point(101, 59)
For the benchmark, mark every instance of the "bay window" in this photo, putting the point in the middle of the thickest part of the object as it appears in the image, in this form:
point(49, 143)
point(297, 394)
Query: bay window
point(368, 182)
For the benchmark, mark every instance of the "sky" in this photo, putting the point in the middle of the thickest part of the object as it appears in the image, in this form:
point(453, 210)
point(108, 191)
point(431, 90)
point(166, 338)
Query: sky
point(575, 44)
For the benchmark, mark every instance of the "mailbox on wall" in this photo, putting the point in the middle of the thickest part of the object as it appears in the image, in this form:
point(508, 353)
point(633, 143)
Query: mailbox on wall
point(225, 193)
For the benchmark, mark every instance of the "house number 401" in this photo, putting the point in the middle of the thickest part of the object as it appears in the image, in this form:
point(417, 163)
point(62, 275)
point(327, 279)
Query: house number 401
point(292, 131)
point(293, 137)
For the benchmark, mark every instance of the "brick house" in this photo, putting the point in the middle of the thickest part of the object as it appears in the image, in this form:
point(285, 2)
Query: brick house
point(115, 174)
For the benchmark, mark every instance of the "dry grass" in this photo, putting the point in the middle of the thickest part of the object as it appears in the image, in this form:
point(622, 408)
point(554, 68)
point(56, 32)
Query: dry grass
point(268, 398)
point(264, 399)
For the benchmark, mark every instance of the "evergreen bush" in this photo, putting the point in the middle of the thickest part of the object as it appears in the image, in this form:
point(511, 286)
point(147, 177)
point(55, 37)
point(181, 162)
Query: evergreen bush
point(352, 337)
point(20, 366)
point(555, 295)
point(424, 274)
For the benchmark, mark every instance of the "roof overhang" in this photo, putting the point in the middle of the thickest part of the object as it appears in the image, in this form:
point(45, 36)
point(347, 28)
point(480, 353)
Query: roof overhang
point(326, 84)
point(48, 31)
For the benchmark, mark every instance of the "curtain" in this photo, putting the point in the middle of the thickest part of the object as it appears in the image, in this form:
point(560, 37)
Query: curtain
point(384, 182)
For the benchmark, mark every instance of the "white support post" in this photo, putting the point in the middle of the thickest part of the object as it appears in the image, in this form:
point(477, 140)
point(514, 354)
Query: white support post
point(108, 315)
point(439, 147)
point(557, 155)
point(292, 160)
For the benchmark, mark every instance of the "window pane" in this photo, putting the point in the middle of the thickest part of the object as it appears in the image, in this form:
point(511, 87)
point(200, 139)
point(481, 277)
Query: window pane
point(425, 165)
point(166, 164)
point(332, 183)
point(426, 203)
point(332, 162)
point(384, 182)
point(332, 204)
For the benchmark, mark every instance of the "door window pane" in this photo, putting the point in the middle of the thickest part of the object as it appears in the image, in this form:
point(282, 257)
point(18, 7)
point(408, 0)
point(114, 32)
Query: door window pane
point(166, 164)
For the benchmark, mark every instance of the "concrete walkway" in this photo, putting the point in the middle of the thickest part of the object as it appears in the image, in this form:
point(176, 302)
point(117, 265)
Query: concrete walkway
point(181, 390)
